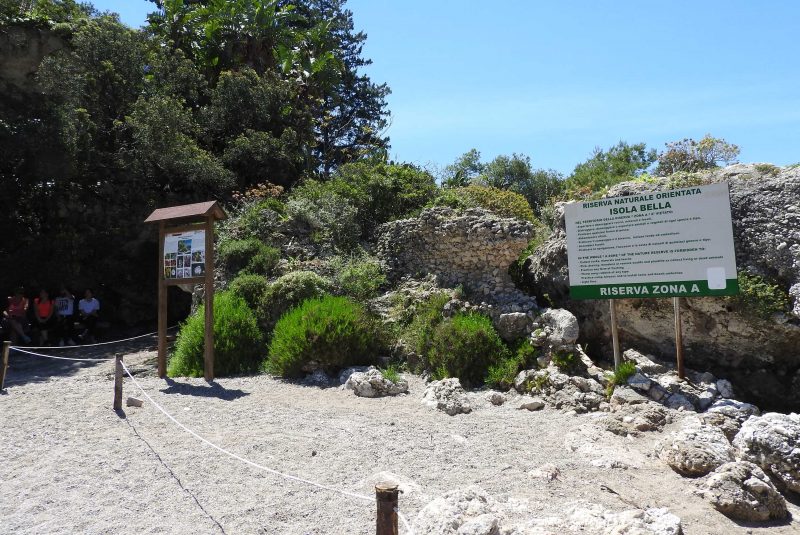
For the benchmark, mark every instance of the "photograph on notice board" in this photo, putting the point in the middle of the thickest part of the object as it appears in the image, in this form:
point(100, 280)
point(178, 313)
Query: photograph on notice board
point(183, 251)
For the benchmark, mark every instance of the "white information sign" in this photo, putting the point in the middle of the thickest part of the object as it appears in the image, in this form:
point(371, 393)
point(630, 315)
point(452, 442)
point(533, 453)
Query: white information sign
point(676, 243)
point(185, 254)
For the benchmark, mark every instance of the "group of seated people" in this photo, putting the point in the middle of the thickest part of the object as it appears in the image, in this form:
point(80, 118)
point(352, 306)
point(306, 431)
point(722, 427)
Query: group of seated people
point(50, 321)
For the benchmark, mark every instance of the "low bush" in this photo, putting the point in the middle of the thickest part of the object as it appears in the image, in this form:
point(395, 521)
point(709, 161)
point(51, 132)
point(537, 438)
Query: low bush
point(250, 255)
point(237, 340)
point(359, 277)
point(391, 373)
point(566, 362)
point(620, 376)
point(249, 287)
point(289, 291)
point(464, 346)
point(502, 202)
point(329, 216)
point(334, 332)
point(254, 218)
point(501, 375)
point(427, 316)
point(759, 298)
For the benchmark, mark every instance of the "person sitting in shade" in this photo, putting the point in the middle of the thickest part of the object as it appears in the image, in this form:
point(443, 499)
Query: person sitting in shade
point(88, 308)
point(44, 312)
point(65, 317)
point(16, 316)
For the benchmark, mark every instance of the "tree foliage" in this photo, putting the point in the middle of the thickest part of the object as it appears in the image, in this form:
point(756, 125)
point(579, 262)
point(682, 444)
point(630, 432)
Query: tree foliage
point(690, 155)
point(606, 168)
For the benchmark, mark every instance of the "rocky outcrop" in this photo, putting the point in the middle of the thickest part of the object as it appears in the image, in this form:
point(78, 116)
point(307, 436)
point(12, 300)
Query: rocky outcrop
point(742, 491)
point(372, 384)
point(772, 442)
point(696, 449)
point(460, 512)
point(473, 248)
point(761, 356)
point(448, 396)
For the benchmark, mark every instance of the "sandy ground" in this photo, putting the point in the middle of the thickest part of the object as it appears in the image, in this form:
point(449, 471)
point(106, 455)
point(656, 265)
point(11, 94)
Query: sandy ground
point(70, 464)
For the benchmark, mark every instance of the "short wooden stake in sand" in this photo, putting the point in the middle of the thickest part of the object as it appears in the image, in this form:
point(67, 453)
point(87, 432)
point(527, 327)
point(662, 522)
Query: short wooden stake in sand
point(386, 496)
point(4, 367)
point(118, 382)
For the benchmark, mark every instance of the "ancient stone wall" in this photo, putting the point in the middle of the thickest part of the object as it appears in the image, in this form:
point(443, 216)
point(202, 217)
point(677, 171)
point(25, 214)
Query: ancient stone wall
point(473, 248)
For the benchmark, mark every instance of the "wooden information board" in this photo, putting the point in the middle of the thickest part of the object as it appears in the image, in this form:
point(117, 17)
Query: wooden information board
point(186, 256)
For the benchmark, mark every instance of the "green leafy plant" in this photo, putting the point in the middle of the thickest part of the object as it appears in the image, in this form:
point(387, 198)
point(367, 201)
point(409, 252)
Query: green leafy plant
point(759, 297)
point(768, 169)
point(566, 362)
point(330, 217)
point(250, 255)
point(289, 291)
point(250, 287)
point(501, 374)
point(620, 376)
point(427, 316)
point(465, 346)
point(391, 373)
point(357, 276)
point(502, 202)
point(333, 332)
point(237, 340)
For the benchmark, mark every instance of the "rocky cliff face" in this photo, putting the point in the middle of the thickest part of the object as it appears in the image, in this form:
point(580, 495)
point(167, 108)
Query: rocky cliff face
point(22, 49)
point(761, 355)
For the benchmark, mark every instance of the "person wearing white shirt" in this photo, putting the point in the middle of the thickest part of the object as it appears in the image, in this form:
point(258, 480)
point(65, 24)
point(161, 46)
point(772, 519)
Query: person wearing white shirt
point(88, 308)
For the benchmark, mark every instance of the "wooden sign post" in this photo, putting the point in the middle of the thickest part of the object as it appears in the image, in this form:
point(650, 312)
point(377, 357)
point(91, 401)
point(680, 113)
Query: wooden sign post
point(186, 256)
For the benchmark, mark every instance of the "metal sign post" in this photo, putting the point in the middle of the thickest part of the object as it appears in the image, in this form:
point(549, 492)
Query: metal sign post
point(678, 336)
point(186, 257)
point(615, 333)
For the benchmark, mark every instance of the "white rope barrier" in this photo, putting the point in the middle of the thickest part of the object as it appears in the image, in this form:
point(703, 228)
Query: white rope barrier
point(403, 519)
point(237, 457)
point(15, 348)
point(100, 343)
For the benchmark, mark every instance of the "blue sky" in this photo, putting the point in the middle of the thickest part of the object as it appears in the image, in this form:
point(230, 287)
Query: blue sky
point(553, 80)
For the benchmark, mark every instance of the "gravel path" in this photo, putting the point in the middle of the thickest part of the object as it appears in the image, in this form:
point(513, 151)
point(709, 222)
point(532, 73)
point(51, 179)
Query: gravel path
point(70, 464)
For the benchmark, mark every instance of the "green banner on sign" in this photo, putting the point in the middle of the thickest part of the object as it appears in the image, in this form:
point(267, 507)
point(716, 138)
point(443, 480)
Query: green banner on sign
point(638, 290)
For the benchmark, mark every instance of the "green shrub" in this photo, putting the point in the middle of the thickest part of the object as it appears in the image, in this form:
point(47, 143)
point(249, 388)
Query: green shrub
point(501, 375)
point(249, 287)
point(759, 298)
point(332, 331)
point(289, 291)
point(464, 347)
point(255, 218)
point(427, 316)
point(359, 277)
point(620, 376)
point(250, 255)
point(237, 340)
point(566, 362)
point(330, 216)
point(391, 373)
point(502, 202)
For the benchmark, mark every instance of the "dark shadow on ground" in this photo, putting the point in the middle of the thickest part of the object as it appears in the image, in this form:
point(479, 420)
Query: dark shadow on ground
point(211, 390)
point(24, 368)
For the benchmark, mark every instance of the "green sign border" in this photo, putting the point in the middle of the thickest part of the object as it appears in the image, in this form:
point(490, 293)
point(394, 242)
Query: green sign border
point(592, 291)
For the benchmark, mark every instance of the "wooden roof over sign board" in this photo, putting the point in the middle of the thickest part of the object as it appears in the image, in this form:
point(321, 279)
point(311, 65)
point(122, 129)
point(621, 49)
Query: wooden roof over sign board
point(200, 210)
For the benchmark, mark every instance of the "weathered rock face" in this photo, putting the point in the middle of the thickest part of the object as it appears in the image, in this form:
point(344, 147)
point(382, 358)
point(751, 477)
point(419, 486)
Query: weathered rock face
point(696, 449)
point(771, 441)
point(742, 491)
point(372, 384)
point(460, 512)
point(474, 248)
point(22, 48)
point(760, 356)
point(447, 395)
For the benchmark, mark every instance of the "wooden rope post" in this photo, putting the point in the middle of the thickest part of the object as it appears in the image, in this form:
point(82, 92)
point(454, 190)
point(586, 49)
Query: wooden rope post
point(6, 349)
point(118, 382)
point(386, 496)
point(676, 304)
point(615, 333)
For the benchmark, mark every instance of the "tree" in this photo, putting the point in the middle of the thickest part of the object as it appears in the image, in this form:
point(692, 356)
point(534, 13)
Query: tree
point(691, 156)
point(464, 170)
point(606, 168)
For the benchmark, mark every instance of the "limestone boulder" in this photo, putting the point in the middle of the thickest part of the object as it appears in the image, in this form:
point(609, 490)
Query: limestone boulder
point(447, 396)
point(469, 511)
point(772, 441)
point(372, 384)
point(512, 326)
point(742, 491)
point(695, 449)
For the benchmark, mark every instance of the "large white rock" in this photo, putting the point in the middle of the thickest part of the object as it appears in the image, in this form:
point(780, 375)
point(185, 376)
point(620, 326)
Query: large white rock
point(742, 491)
point(446, 395)
point(598, 519)
point(696, 449)
point(512, 326)
point(372, 384)
point(469, 511)
point(562, 326)
point(772, 441)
